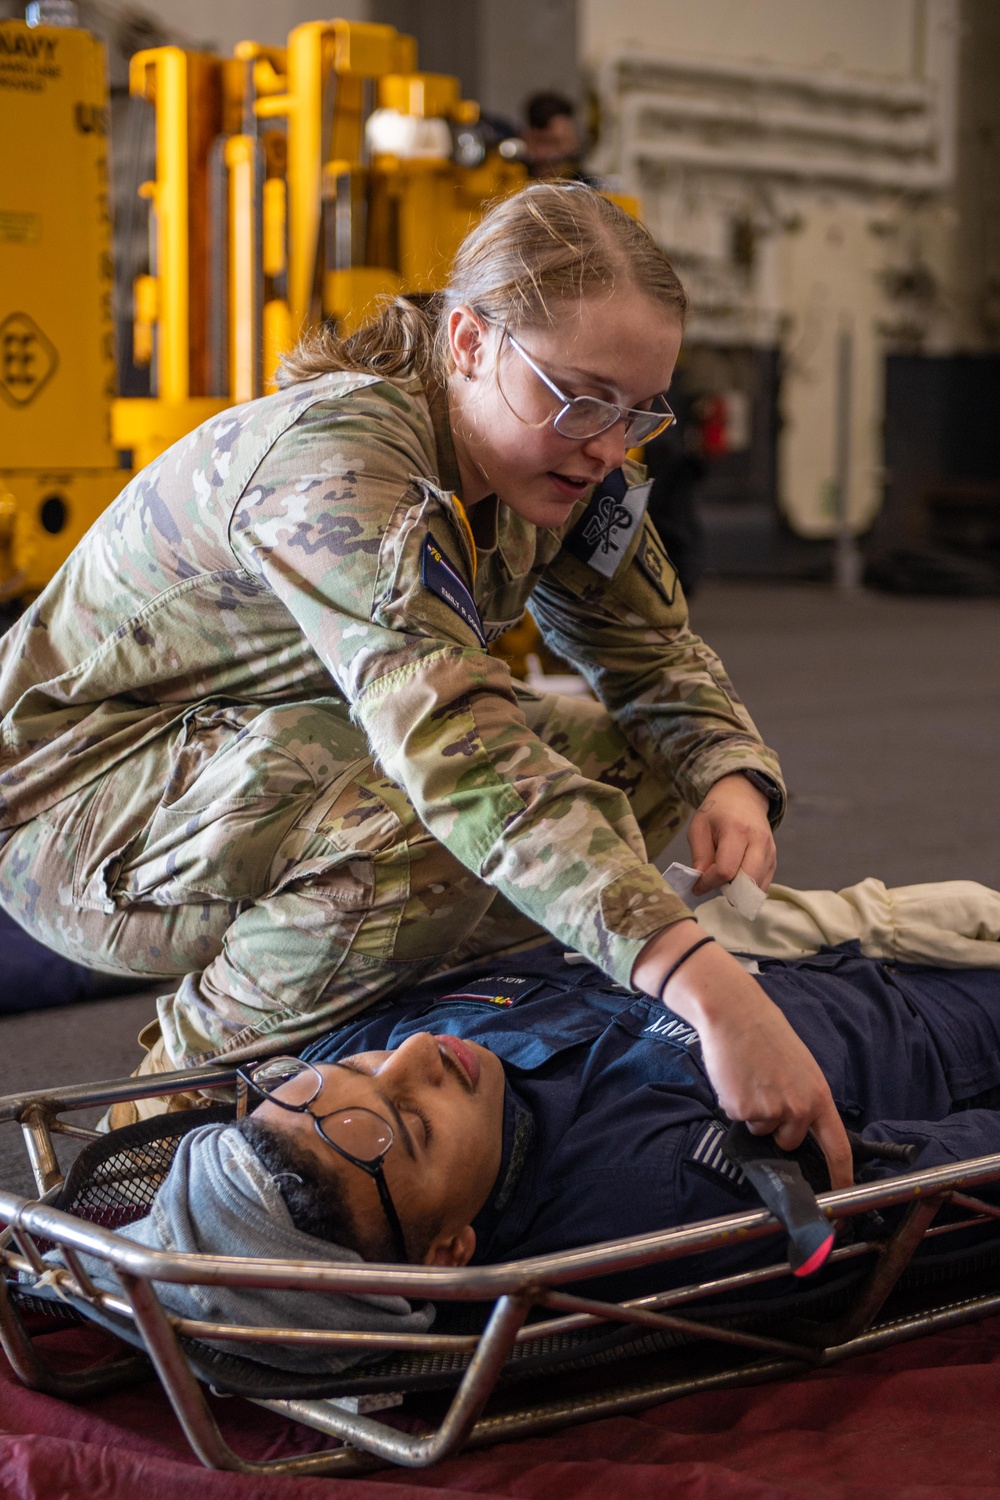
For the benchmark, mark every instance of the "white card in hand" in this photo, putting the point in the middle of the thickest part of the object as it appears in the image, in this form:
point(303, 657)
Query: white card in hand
point(746, 895)
point(742, 893)
point(682, 879)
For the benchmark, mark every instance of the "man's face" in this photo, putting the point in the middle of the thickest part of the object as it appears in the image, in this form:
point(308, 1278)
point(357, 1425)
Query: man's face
point(443, 1098)
point(553, 147)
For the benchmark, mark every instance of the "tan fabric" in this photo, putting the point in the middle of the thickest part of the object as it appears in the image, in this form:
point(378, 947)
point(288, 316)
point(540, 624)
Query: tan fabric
point(951, 924)
point(157, 1060)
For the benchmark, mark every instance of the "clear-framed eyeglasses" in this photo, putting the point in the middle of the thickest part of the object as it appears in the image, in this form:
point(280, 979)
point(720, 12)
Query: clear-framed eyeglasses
point(361, 1136)
point(582, 417)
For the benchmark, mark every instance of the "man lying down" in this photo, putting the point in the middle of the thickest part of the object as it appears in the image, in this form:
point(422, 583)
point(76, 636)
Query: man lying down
point(538, 1107)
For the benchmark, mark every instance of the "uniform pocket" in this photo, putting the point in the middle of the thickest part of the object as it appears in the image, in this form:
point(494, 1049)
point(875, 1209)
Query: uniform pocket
point(232, 796)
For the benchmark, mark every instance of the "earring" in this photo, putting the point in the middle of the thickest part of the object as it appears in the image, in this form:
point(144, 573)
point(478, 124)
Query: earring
point(469, 377)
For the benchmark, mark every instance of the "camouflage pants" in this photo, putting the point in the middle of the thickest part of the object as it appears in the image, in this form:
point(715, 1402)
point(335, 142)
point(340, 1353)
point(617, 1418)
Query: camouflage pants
point(280, 874)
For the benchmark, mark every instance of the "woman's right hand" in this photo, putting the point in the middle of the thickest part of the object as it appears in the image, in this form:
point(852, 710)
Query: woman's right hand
point(762, 1072)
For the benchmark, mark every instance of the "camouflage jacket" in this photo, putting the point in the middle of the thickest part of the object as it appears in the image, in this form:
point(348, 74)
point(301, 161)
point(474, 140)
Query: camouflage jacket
point(311, 544)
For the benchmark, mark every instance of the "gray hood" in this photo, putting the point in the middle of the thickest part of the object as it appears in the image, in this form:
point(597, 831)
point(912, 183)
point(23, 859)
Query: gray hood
point(219, 1199)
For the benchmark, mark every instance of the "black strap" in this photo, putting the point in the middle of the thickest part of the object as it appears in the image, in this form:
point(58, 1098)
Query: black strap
point(782, 1186)
point(682, 960)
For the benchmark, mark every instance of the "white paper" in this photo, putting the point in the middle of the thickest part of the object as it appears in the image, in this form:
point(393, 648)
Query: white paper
point(682, 879)
point(741, 892)
point(746, 895)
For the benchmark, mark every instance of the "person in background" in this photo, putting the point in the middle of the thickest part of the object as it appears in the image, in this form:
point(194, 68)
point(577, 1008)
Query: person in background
point(551, 137)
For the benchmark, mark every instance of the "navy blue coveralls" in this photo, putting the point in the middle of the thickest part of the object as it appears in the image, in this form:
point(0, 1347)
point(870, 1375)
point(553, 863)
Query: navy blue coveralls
point(611, 1126)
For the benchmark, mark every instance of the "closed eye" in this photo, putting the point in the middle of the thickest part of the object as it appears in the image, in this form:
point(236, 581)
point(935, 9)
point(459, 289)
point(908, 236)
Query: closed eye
point(413, 1109)
point(404, 1106)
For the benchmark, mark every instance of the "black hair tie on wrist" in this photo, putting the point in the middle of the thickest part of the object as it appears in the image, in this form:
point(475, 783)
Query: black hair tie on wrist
point(682, 960)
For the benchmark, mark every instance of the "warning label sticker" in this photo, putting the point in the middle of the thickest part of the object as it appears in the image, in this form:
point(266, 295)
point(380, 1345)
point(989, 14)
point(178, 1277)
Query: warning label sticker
point(27, 359)
point(27, 59)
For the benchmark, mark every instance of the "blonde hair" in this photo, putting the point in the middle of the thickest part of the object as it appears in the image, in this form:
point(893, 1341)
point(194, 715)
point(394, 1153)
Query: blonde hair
point(546, 245)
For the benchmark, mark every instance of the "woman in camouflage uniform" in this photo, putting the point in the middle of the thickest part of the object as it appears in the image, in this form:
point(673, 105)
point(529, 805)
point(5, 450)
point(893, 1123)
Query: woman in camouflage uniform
point(253, 737)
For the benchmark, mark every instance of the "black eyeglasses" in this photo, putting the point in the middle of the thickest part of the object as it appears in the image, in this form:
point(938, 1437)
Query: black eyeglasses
point(359, 1135)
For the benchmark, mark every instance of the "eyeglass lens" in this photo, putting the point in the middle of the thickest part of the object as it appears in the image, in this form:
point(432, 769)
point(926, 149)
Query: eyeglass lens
point(296, 1082)
point(585, 416)
point(360, 1132)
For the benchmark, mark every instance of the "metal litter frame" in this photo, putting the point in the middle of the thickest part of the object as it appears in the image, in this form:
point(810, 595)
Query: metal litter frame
point(514, 1288)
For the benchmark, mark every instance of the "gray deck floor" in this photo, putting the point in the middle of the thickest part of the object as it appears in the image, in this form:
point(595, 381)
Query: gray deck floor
point(886, 714)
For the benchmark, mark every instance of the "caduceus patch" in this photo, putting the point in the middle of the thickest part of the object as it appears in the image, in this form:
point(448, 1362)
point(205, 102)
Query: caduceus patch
point(609, 523)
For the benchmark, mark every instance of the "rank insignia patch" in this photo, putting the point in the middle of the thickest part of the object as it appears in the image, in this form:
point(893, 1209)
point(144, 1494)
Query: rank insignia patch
point(442, 578)
point(609, 523)
point(657, 567)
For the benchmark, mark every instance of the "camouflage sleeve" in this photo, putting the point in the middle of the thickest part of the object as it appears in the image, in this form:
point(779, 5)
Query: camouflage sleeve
point(374, 563)
point(629, 636)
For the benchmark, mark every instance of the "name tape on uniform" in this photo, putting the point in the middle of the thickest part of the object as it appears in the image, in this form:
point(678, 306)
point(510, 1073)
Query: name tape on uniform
point(609, 523)
point(498, 989)
point(669, 1028)
point(442, 578)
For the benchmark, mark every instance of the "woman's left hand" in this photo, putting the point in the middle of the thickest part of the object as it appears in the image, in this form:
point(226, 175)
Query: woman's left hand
point(730, 832)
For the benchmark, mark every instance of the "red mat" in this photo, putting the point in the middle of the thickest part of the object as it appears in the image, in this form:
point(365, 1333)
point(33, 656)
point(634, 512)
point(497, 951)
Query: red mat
point(911, 1423)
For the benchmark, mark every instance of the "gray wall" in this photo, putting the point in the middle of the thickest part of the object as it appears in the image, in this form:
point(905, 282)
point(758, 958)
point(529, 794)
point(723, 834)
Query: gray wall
point(502, 50)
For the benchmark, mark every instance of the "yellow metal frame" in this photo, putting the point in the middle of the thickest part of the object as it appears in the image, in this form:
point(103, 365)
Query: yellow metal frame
point(58, 465)
point(266, 217)
point(147, 425)
point(318, 90)
point(241, 157)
